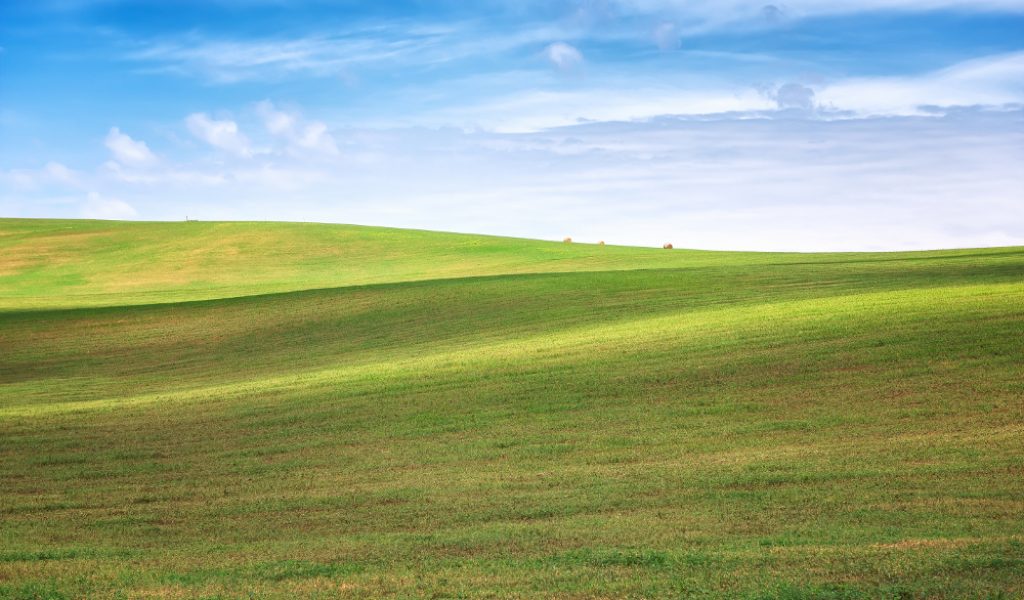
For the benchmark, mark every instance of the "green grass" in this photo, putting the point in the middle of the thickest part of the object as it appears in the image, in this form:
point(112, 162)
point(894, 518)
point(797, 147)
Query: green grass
point(236, 410)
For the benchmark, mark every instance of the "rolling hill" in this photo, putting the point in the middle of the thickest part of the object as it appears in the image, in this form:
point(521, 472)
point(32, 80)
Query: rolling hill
point(279, 410)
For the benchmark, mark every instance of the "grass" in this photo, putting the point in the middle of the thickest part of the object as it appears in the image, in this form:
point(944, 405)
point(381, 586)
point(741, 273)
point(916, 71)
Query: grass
point(236, 410)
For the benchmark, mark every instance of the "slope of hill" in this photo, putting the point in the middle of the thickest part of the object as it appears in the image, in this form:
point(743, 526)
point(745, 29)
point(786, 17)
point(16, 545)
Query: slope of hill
point(298, 410)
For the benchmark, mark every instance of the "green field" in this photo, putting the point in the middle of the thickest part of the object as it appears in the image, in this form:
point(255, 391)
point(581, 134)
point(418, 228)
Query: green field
point(271, 410)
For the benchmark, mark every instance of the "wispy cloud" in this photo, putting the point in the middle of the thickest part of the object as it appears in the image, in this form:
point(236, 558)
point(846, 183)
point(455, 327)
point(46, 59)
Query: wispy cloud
point(51, 174)
point(226, 60)
point(563, 57)
point(694, 16)
point(989, 81)
point(994, 81)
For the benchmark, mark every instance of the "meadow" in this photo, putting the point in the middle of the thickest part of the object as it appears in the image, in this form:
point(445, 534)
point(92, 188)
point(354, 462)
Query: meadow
point(285, 410)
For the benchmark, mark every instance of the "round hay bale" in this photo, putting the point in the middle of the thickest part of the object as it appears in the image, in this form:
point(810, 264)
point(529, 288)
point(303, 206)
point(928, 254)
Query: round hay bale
point(667, 246)
point(567, 240)
point(601, 243)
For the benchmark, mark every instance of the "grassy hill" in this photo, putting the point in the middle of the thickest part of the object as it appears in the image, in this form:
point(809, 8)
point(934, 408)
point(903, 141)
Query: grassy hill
point(299, 410)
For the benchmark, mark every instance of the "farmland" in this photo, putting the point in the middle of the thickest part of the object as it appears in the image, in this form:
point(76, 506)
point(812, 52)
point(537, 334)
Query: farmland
point(280, 410)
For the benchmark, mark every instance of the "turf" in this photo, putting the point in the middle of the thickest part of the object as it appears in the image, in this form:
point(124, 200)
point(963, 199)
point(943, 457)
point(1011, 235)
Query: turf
point(295, 410)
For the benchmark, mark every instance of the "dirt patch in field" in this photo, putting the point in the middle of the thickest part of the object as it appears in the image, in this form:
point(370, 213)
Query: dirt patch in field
point(13, 265)
point(323, 585)
point(933, 543)
point(914, 544)
point(52, 250)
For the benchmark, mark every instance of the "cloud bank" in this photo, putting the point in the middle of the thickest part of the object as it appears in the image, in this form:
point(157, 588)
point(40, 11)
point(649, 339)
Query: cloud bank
point(767, 184)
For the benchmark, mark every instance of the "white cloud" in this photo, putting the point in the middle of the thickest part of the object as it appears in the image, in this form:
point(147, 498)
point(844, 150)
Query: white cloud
point(127, 150)
point(277, 122)
point(316, 137)
point(563, 56)
point(99, 207)
point(219, 134)
point(300, 135)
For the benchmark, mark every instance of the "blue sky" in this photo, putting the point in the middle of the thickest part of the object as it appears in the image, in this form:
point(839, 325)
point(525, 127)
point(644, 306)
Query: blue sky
point(804, 125)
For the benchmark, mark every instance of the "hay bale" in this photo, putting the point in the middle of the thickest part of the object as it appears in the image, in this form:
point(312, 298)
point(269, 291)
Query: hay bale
point(567, 240)
point(601, 243)
point(667, 246)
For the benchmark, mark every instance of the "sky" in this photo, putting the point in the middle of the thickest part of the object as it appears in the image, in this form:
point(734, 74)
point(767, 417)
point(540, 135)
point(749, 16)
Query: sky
point(806, 125)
